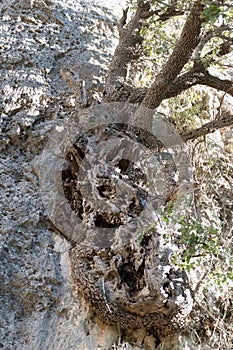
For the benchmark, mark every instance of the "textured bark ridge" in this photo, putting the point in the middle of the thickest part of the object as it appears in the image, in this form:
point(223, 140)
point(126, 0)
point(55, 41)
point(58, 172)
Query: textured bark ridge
point(115, 184)
point(133, 286)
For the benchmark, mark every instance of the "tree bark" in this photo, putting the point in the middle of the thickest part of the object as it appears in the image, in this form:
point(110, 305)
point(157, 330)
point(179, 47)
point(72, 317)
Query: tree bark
point(189, 39)
point(208, 128)
point(130, 42)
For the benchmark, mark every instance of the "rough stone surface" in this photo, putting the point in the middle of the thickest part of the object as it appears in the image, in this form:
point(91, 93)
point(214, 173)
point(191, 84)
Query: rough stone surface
point(39, 306)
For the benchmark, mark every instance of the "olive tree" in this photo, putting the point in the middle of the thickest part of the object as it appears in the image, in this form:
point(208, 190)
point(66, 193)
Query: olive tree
point(125, 270)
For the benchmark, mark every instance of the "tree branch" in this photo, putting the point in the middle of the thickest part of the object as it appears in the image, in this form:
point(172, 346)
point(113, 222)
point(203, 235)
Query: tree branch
point(181, 54)
point(198, 75)
point(169, 82)
point(132, 94)
point(206, 37)
point(171, 11)
point(220, 84)
point(208, 128)
point(130, 41)
point(182, 83)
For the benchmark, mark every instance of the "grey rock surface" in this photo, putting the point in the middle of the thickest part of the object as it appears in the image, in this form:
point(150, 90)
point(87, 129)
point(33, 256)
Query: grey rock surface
point(39, 307)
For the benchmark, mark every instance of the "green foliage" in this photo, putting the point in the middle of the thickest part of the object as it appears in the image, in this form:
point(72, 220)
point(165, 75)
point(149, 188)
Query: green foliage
point(211, 13)
point(198, 243)
point(214, 10)
point(188, 110)
point(194, 238)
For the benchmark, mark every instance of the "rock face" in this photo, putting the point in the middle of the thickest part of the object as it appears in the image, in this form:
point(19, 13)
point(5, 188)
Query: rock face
point(39, 307)
point(54, 290)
